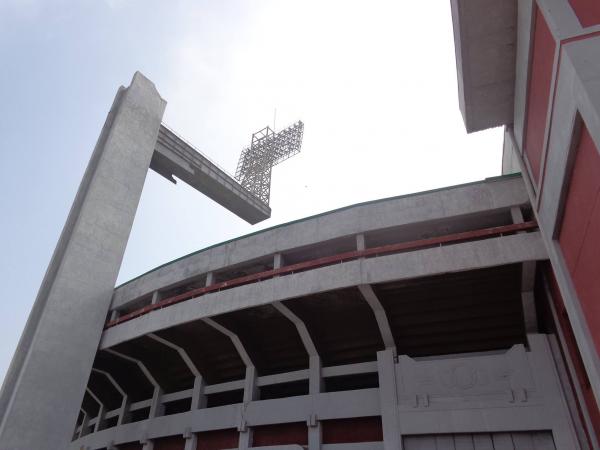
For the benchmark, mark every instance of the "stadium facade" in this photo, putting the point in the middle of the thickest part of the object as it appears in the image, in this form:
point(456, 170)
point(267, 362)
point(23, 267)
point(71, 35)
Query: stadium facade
point(462, 318)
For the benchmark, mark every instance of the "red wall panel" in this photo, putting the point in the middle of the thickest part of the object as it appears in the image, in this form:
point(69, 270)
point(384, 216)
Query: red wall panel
point(587, 11)
point(218, 440)
point(280, 434)
point(573, 351)
point(169, 443)
point(538, 97)
point(360, 429)
point(579, 237)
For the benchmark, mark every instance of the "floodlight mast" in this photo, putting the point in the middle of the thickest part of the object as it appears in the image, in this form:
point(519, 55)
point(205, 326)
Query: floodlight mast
point(266, 150)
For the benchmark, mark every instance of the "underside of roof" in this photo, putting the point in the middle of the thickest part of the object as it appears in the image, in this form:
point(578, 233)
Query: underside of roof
point(485, 35)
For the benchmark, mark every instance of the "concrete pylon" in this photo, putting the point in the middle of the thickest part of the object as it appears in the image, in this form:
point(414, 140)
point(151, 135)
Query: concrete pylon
point(42, 392)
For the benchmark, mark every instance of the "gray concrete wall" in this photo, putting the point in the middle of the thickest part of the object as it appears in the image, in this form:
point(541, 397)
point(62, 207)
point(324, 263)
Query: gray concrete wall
point(451, 258)
point(42, 392)
point(461, 200)
point(517, 390)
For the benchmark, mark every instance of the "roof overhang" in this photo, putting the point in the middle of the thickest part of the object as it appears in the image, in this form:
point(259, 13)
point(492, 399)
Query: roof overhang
point(485, 35)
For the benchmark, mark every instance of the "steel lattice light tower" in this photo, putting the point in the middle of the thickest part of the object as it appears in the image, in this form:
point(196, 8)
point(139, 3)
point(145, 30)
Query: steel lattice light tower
point(267, 149)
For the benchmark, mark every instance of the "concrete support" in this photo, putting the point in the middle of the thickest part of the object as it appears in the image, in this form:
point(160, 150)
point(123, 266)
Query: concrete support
point(278, 261)
point(382, 321)
point(388, 397)
point(198, 397)
point(527, 298)
point(48, 374)
point(210, 278)
point(84, 423)
point(250, 394)
point(527, 282)
point(191, 440)
point(360, 242)
point(156, 297)
point(101, 411)
point(124, 409)
point(156, 408)
point(147, 444)
point(250, 384)
point(315, 378)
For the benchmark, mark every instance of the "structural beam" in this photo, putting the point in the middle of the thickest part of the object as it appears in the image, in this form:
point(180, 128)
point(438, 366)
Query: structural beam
point(250, 382)
point(382, 321)
point(155, 405)
point(198, 397)
point(123, 410)
point(176, 157)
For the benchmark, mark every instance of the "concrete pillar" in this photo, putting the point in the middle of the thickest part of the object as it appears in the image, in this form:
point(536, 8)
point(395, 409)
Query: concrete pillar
point(315, 387)
point(147, 444)
point(360, 242)
point(250, 394)
point(84, 424)
point(124, 411)
point(388, 399)
point(44, 385)
point(156, 297)
point(191, 440)
point(210, 279)
point(198, 396)
point(278, 261)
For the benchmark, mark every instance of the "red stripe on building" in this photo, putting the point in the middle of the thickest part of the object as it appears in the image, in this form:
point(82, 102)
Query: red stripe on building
point(345, 431)
point(573, 351)
point(218, 440)
point(538, 97)
point(587, 11)
point(579, 237)
point(280, 434)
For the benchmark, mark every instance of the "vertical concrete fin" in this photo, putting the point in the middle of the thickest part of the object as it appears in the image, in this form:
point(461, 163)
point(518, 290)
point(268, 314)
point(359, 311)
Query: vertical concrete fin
point(76, 292)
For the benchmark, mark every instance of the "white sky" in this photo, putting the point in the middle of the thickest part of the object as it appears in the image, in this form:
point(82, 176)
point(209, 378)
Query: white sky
point(373, 81)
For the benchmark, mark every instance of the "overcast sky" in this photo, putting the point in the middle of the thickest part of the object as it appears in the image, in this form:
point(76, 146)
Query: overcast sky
point(374, 82)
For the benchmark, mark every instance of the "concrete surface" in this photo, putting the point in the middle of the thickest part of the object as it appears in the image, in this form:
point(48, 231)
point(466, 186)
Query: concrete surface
point(42, 392)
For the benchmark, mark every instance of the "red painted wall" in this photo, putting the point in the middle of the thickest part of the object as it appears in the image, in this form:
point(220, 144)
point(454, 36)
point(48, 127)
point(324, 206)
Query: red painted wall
point(361, 429)
point(538, 96)
point(218, 440)
point(169, 443)
point(579, 237)
point(573, 350)
point(587, 11)
point(281, 434)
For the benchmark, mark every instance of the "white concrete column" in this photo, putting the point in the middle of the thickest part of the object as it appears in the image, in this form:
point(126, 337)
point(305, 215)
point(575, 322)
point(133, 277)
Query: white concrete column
point(49, 371)
point(191, 440)
point(388, 398)
point(147, 444)
point(315, 387)
point(156, 297)
point(360, 242)
point(250, 394)
point(210, 279)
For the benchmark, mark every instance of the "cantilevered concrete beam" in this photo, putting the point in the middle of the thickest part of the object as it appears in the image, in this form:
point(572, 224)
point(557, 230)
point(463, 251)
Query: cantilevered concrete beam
point(198, 398)
point(315, 378)
point(250, 385)
point(124, 409)
point(101, 410)
point(175, 157)
point(382, 321)
point(155, 405)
